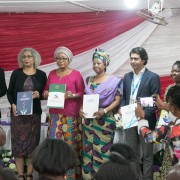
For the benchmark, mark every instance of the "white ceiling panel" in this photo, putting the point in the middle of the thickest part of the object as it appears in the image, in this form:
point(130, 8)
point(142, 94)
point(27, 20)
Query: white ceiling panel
point(66, 6)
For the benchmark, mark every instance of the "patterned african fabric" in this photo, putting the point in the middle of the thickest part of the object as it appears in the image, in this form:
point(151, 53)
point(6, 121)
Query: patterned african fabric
point(167, 161)
point(98, 137)
point(172, 135)
point(69, 129)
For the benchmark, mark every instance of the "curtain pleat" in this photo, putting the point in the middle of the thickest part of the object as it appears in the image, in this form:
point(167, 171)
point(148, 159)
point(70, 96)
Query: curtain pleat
point(45, 32)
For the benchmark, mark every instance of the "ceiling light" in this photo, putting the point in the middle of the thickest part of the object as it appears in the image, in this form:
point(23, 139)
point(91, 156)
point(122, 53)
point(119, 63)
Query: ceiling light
point(131, 4)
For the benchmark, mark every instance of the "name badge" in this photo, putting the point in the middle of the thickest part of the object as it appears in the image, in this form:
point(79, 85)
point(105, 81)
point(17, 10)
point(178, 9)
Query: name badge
point(132, 100)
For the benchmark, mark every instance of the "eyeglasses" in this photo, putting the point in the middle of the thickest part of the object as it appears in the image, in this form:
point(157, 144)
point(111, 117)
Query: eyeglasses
point(175, 71)
point(61, 59)
point(29, 57)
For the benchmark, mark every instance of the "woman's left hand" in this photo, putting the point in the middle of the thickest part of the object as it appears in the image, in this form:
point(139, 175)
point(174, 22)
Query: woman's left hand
point(99, 114)
point(159, 103)
point(35, 94)
point(68, 95)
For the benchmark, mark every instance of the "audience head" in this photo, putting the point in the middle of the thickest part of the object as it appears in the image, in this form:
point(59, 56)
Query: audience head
point(173, 99)
point(32, 53)
point(7, 174)
point(53, 157)
point(141, 52)
point(174, 173)
point(67, 52)
point(175, 72)
point(102, 56)
point(119, 166)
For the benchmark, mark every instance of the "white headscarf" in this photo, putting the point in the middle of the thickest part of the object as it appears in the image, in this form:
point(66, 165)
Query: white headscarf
point(64, 50)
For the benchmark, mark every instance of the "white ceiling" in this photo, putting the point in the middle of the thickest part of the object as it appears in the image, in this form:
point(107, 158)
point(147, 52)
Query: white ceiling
point(61, 6)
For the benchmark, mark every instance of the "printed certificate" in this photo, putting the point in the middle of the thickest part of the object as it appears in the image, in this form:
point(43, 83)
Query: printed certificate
point(128, 116)
point(56, 96)
point(90, 104)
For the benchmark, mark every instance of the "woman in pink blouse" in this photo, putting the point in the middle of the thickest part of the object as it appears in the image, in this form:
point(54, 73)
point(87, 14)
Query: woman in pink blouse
point(65, 123)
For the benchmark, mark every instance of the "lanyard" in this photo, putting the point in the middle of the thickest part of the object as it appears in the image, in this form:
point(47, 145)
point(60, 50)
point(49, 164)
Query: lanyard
point(136, 86)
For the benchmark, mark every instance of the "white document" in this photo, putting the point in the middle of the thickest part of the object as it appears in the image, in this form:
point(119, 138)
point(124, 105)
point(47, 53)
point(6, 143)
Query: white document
point(163, 118)
point(90, 104)
point(128, 116)
point(56, 100)
point(43, 117)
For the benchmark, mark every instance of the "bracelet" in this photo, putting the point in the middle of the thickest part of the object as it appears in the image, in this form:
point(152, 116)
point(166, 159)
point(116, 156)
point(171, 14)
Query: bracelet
point(73, 95)
point(140, 118)
point(105, 111)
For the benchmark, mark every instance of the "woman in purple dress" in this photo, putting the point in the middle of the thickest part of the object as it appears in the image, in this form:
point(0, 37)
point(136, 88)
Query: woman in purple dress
point(99, 131)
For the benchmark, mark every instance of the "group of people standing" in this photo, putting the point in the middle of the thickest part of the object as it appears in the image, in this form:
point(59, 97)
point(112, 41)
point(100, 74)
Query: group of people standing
point(91, 138)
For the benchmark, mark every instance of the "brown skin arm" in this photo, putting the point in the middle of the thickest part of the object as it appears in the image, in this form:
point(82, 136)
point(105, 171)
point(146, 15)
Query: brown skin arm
point(109, 108)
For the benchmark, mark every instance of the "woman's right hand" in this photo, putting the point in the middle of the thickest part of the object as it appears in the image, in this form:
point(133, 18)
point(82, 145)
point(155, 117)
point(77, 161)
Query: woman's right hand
point(46, 94)
point(82, 114)
point(139, 112)
point(14, 109)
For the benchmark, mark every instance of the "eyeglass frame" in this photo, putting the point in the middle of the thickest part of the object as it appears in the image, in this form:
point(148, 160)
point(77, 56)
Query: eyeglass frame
point(62, 59)
point(29, 57)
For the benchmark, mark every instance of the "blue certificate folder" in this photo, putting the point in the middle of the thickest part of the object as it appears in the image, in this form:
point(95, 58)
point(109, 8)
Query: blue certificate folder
point(24, 105)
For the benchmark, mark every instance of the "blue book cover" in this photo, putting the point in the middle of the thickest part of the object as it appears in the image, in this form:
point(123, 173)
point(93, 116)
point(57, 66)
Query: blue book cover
point(24, 105)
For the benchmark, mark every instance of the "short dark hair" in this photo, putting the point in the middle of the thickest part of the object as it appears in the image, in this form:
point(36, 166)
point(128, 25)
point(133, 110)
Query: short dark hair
point(173, 95)
point(177, 63)
point(7, 174)
point(54, 157)
point(141, 52)
point(119, 166)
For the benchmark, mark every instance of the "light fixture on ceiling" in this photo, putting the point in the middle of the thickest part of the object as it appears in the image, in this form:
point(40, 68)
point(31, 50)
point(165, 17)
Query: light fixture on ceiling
point(131, 4)
point(157, 6)
point(152, 14)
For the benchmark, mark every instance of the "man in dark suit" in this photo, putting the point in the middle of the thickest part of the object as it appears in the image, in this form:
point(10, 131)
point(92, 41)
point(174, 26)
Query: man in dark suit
point(140, 83)
point(3, 87)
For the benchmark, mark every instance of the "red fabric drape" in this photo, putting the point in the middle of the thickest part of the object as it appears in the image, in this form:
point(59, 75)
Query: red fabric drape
point(165, 82)
point(45, 32)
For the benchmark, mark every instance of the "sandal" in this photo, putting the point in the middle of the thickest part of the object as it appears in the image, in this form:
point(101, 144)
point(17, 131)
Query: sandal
point(21, 177)
point(29, 176)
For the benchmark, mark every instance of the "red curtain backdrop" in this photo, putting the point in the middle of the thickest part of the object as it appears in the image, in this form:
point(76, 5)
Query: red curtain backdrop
point(45, 32)
point(165, 82)
point(78, 31)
